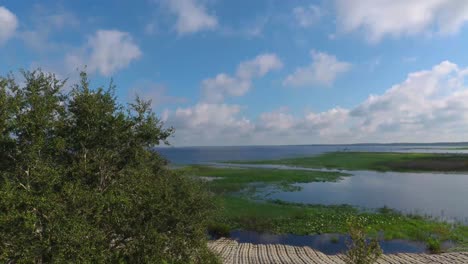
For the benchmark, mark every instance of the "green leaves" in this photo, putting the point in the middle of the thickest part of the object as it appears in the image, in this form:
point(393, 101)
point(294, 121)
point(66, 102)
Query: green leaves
point(80, 181)
point(361, 250)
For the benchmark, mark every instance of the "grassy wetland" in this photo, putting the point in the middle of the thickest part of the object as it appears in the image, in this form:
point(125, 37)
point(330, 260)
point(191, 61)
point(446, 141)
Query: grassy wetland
point(378, 161)
point(228, 180)
point(239, 208)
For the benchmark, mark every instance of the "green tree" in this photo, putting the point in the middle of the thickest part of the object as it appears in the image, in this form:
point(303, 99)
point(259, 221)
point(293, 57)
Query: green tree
point(80, 181)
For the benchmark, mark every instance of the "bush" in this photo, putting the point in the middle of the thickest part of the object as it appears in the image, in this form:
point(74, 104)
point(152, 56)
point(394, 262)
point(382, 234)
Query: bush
point(360, 249)
point(434, 246)
point(218, 230)
point(81, 183)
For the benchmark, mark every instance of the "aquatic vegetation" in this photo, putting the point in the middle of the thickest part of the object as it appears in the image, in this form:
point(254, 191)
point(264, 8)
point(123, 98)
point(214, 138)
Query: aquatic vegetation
point(230, 180)
point(281, 218)
point(379, 161)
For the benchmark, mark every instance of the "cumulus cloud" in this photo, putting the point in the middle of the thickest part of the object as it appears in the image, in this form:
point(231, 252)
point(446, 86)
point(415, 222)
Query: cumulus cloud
point(106, 52)
point(428, 106)
point(323, 70)
point(426, 103)
point(217, 88)
point(308, 15)
point(379, 18)
point(192, 16)
point(279, 120)
point(205, 122)
point(8, 24)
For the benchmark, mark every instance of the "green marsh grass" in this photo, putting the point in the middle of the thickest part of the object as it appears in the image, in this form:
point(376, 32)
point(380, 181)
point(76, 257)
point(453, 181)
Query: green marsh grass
point(276, 216)
point(281, 218)
point(231, 180)
point(378, 161)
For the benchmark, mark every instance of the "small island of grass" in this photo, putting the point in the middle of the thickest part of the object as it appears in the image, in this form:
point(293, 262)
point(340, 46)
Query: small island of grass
point(229, 180)
point(378, 161)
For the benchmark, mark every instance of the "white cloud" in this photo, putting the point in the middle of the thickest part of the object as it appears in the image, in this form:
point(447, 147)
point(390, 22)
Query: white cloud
point(279, 120)
point(192, 16)
point(428, 106)
point(216, 89)
point(379, 18)
point(426, 103)
point(8, 24)
point(106, 52)
point(307, 16)
point(258, 67)
point(323, 70)
point(204, 123)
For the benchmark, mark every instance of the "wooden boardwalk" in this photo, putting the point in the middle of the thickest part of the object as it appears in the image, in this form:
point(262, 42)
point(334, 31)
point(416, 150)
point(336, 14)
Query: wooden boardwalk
point(232, 252)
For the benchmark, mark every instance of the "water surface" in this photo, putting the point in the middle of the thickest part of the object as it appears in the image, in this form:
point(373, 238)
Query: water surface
point(327, 243)
point(438, 195)
point(197, 155)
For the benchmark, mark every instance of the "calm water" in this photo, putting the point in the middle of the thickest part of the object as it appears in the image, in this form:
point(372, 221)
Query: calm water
point(438, 195)
point(197, 155)
point(441, 196)
point(325, 243)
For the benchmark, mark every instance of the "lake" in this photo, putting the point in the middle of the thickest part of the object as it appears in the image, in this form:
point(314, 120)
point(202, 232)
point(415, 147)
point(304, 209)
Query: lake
point(437, 195)
point(198, 155)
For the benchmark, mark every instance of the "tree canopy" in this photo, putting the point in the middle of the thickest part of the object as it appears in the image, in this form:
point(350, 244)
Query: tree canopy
point(80, 180)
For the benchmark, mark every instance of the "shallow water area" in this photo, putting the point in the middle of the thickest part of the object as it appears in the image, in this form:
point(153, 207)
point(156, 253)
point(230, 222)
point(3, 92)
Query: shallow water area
point(436, 195)
point(327, 243)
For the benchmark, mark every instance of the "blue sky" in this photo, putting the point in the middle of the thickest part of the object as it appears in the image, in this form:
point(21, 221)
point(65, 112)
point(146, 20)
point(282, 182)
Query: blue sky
point(265, 71)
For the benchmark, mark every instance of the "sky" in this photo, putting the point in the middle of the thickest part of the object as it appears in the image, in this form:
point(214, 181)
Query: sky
point(263, 72)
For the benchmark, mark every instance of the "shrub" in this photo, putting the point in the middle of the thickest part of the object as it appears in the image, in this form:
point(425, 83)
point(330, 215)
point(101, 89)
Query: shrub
point(218, 230)
point(434, 246)
point(361, 250)
point(81, 183)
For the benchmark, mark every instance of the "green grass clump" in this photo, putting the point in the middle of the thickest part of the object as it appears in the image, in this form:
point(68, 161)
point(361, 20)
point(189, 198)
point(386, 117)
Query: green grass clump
point(434, 246)
point(379, 161)
point(229, 180)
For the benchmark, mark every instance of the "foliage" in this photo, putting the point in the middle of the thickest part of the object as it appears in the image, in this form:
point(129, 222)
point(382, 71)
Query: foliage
point(434, 246)
point(218, 230)
point(378, 161)
point(79, 181)
point(361, 250)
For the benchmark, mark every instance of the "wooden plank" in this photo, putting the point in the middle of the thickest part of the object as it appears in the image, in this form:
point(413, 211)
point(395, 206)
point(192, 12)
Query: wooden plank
point(233, 252)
